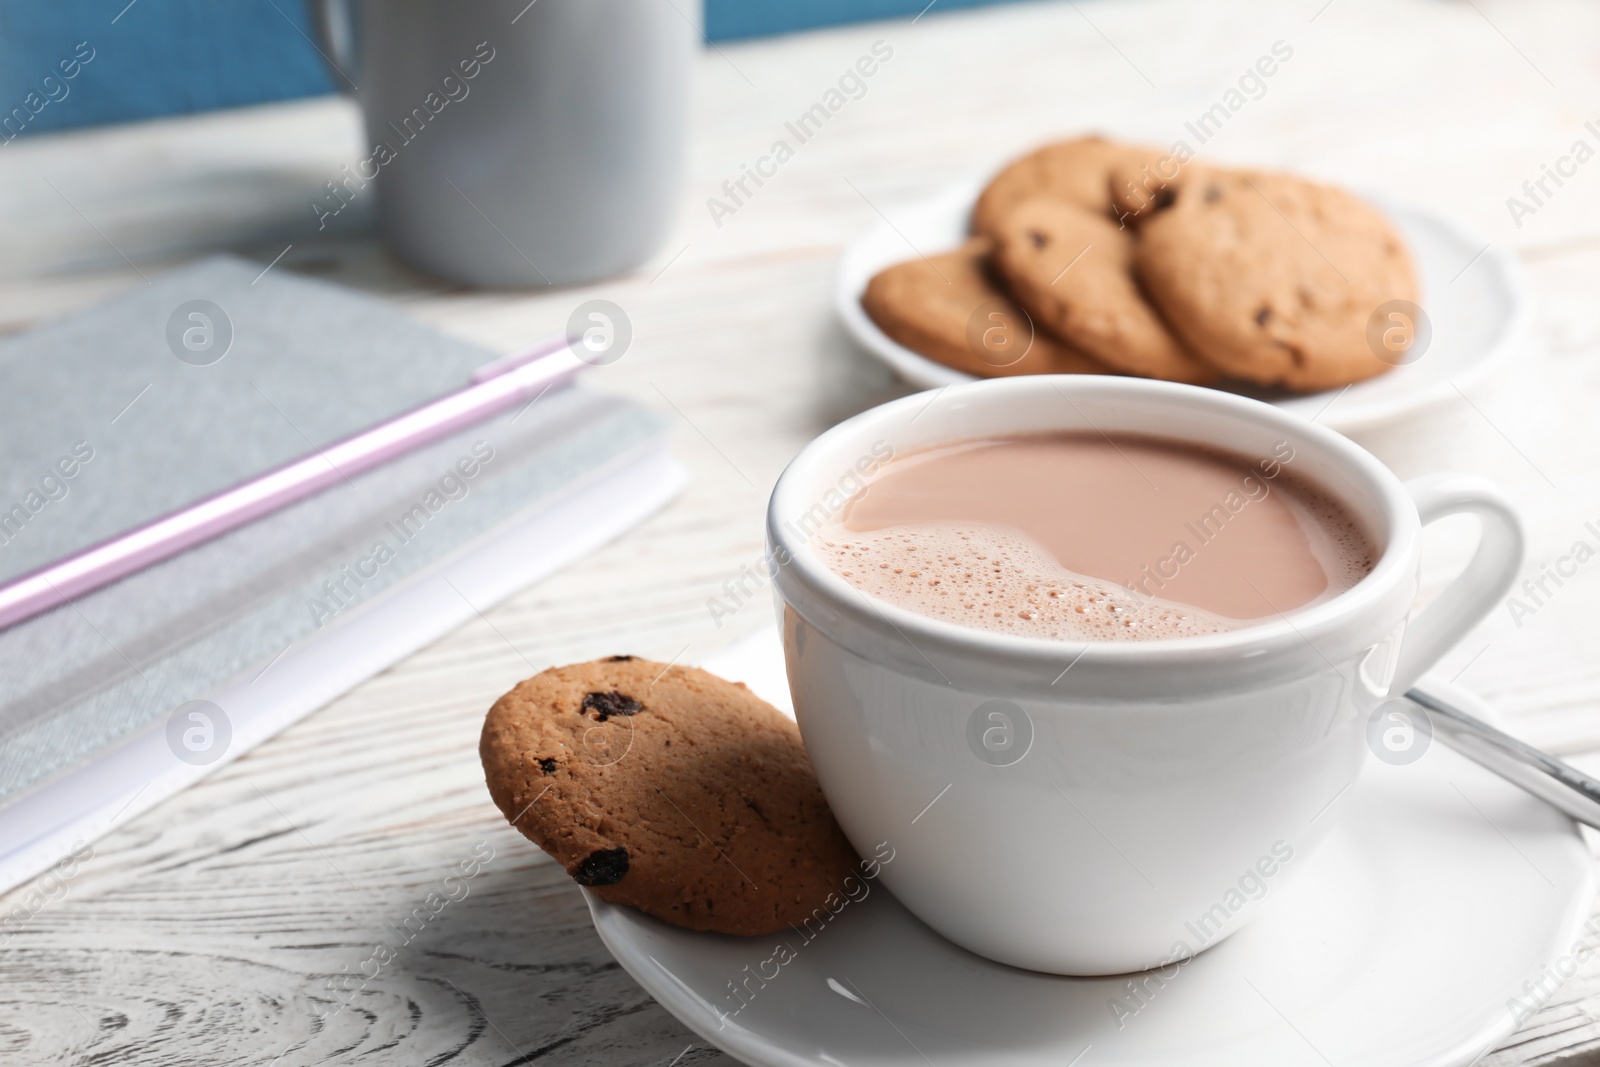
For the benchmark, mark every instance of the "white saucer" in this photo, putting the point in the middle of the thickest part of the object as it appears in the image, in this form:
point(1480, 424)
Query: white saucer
point(1401, 941)
point(1479, 313)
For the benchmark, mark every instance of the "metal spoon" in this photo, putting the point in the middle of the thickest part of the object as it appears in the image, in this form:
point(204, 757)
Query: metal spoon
point(1556, 783)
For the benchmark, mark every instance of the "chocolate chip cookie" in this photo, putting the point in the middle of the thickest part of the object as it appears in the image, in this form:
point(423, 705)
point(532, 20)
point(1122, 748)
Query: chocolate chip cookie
point(949, 308)
point(1072, 269)
point(1273, 278)
point(667, 789)
point(1078, 171)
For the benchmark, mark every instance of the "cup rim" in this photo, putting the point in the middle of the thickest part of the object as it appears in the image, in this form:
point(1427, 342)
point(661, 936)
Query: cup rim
point(1298, 628)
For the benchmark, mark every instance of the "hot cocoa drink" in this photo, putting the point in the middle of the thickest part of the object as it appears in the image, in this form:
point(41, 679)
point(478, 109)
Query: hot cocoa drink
point(1086, 536)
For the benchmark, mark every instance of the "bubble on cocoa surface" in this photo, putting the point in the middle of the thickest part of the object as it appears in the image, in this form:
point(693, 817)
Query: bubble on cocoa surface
point(1337, 540)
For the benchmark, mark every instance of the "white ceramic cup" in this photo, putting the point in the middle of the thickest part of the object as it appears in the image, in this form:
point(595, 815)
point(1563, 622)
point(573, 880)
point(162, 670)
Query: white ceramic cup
point(1140, 806)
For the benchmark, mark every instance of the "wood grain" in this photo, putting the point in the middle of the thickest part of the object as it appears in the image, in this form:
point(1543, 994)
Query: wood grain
point(225, 925)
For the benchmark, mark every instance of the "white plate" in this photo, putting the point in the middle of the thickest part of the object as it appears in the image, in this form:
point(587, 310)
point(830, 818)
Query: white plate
point(1472, 291)
point(1442, 891)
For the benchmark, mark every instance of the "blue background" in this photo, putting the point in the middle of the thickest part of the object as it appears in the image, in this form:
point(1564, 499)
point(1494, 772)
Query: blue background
point(167, 57)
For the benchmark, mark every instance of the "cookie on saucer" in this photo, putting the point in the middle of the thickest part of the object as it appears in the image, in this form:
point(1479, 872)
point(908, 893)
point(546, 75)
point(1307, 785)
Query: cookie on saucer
point(949, 308)
point(1273, 278)
point(1078, 171)
point(667, 789)
point(1072, 269)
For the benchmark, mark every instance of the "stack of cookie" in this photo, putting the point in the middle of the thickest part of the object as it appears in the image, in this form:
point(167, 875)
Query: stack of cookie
point(1089, 256)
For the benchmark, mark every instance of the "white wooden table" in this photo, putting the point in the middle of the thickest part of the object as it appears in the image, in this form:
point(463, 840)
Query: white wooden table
point(207, 931)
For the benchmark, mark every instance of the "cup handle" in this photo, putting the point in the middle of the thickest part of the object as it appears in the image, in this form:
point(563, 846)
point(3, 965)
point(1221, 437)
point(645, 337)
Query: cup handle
point(335, 24)
point(1477, 589)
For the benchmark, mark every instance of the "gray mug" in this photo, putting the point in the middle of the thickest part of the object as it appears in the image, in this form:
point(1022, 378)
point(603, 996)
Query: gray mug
point(513, 143)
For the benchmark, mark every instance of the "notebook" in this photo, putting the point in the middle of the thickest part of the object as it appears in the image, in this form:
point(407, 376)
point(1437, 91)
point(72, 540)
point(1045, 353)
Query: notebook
point(118, 414)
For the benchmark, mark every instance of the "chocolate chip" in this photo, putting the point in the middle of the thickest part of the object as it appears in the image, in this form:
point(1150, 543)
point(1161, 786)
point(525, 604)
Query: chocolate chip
point(1039, 239)
point(604, 866)
point(1165, 198)
point(1263, 315)
point(1296, 353)
point(620, 659)
point(1213, 194)
point(547, 764)
point(606, 705)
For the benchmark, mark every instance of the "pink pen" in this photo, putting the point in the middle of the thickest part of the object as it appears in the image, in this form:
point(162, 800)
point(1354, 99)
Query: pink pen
point(496, 386)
